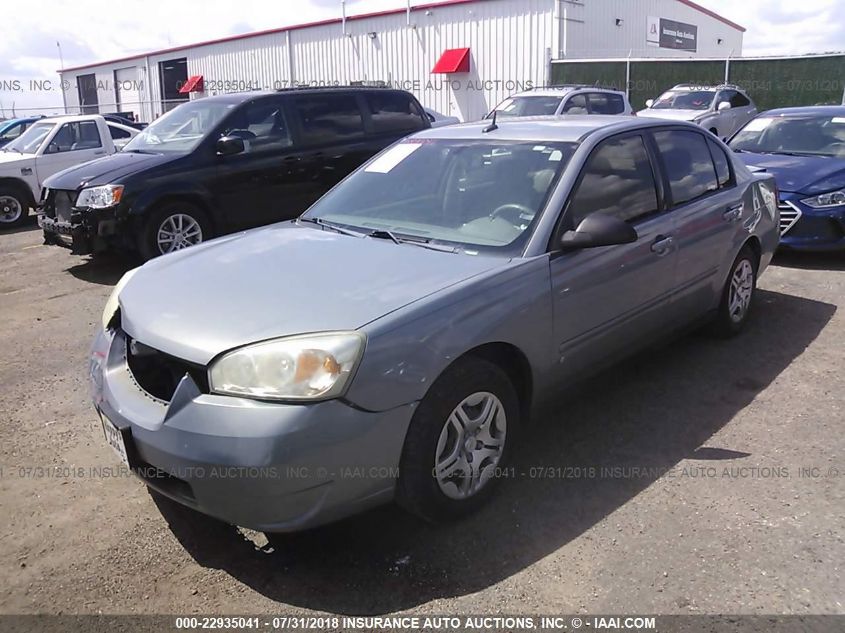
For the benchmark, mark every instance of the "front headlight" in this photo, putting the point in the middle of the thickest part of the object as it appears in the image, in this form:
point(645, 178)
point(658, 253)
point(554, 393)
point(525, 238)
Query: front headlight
point(112, 304)
point(309, 367)
point(824, 200)
point(100, 197)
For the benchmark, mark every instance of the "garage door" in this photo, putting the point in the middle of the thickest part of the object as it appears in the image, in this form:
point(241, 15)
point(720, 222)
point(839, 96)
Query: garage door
point(128, 91)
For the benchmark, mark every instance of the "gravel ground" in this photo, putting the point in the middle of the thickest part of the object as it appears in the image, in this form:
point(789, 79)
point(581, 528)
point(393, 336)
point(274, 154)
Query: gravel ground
point(702, 477)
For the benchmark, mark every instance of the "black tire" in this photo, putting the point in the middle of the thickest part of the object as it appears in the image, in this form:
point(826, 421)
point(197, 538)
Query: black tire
point(418, 490)
point(727, 322)
point(13, 195)
point(148, 244)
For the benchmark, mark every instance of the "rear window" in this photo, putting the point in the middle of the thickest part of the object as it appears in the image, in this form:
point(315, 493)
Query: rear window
point(606, 103)
point(393, 112)
point(327, 118)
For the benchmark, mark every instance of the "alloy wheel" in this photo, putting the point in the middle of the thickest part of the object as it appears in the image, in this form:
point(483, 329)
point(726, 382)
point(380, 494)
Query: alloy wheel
point(742, 287)
point(178, 231)
point(470, 445)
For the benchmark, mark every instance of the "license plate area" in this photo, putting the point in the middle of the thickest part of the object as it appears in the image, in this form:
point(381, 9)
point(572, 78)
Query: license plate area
point(115, 439)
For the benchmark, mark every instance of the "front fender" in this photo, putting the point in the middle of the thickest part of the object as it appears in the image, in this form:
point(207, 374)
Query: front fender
point(149, 197)
point(408, 349)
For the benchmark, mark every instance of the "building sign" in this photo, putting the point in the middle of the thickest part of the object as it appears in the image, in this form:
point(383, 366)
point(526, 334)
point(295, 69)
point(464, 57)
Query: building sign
point(670, 34)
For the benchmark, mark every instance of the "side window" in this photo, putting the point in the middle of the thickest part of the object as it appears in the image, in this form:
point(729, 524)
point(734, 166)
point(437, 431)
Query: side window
point(262, 125)
point(576, 104)
point(75, 136)
point(328, 118)
point(116, 133)
point(617, 180)
point(739, 100)
point(725, 95)
point(393, 112)
point(720, 160)
point(12, 132)
point(688, 164)
point(606, 103)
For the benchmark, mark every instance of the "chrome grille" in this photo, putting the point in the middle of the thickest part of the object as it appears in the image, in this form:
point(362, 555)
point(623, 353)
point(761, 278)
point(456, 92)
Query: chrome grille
point(789, 215)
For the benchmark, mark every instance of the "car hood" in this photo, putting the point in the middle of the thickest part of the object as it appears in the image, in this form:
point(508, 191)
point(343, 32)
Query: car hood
point(799, 174)
point(105, 170)
point(14, 161)
point(278, 281)
point(675, 115)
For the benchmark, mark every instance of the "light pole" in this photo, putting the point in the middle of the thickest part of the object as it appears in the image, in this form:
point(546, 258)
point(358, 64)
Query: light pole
point(61, 77)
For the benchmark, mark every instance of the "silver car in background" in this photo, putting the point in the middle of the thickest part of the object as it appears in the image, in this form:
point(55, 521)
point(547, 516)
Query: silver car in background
point(721, 109)
point(392, 342)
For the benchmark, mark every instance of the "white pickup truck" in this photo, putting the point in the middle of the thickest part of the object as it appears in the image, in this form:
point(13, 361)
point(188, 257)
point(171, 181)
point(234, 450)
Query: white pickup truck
point(48, 146)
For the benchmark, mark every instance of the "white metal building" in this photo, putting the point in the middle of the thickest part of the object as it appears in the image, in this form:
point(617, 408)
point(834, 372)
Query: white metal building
point(459, 57)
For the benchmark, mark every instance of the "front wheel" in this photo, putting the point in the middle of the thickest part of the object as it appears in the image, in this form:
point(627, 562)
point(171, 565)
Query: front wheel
point(458, 441)
point(737, 295)
point(14, 208)
point(172, 227)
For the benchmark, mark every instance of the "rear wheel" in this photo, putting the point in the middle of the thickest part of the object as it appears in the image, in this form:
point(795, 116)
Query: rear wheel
point(458, 441)
point(737, 295)
point(172, 227)
point(14, 207)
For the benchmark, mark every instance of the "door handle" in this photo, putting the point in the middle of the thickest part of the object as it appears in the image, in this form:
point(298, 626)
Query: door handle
point(733, 212)
point(662, 245)
point(99, 153)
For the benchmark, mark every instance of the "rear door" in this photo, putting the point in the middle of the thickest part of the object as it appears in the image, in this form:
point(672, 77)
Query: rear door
point(611, 299)
point(707, 207)
point(73, 143)
point(331, 134)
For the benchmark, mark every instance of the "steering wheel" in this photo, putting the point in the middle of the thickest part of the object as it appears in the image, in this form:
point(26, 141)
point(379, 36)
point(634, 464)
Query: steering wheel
point(511, 206)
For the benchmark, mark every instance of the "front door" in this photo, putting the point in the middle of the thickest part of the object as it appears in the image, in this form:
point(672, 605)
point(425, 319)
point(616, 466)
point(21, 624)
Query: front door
point(610, 300)
point(72, 144)
point(266, 182)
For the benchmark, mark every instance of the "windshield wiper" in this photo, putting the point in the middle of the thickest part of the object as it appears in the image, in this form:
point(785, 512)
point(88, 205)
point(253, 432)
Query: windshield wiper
point(422, 243)
point(330, 226)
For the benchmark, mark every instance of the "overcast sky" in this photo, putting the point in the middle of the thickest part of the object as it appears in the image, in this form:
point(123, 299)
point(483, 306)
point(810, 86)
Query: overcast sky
point(94, 30)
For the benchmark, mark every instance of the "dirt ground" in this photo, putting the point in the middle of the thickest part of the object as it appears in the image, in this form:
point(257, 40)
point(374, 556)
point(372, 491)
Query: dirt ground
point(702, 477)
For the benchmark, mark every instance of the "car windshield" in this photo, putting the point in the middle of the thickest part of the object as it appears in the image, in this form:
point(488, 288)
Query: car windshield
point(528, 106)
point(181, 129)
point(468, 194)
point(816, 135)
point(684, 100)
point(30, 141)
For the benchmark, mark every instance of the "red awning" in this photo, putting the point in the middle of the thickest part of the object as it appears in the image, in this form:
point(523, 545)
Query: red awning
point(453, 60)
point(194, 84)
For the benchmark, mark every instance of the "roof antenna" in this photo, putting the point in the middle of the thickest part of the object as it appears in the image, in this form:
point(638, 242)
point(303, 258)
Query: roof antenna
point(492, 126)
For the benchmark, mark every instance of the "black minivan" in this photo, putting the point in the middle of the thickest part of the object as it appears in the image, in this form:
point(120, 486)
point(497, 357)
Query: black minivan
point(222, 164)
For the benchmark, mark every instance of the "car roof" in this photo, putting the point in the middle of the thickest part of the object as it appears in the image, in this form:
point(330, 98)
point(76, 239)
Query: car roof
point(560, 91)
point(566, 128)
point(824, 110)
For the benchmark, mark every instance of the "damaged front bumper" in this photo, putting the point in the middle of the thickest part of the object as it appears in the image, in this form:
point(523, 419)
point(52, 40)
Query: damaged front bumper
point(87, 231)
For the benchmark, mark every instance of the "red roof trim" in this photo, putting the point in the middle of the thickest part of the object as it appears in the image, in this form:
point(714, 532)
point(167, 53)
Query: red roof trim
point(294, 27)
point(194, 84)
point(712, 14)
point(453, 60)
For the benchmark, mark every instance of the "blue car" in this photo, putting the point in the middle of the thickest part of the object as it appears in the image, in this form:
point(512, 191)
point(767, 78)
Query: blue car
point(13, 128)
point(804, 149)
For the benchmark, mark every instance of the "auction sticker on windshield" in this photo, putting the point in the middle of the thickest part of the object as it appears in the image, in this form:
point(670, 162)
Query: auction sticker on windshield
point(392, 157)
point(115, 439)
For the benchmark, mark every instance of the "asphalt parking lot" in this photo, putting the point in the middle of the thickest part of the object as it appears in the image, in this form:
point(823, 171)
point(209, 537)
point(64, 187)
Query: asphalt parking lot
point(702, 477)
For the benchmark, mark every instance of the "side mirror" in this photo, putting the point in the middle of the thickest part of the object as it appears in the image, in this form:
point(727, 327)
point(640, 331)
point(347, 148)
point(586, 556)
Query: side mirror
point(649, 103)
point(52, 148)
point(598, 230)
point(724, 105)
point(228, 145)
